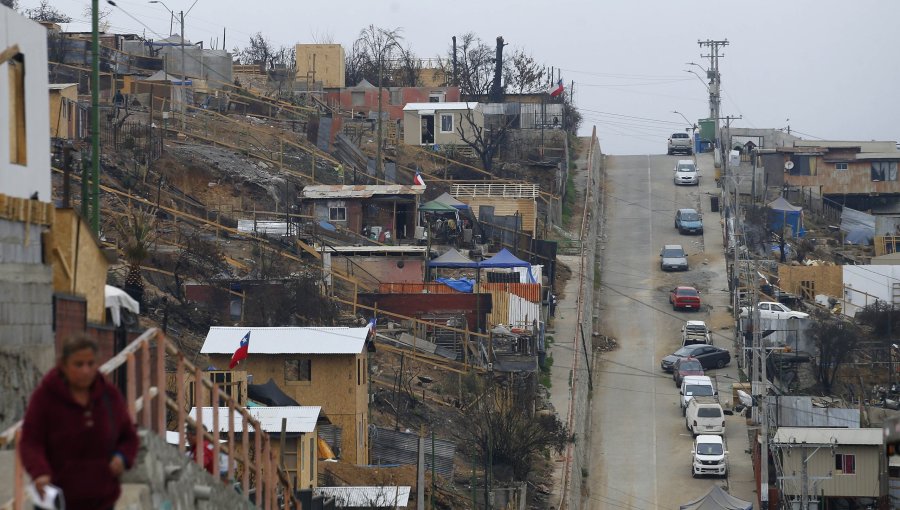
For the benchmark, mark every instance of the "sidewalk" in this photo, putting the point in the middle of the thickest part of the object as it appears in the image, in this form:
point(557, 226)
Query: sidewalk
point(563, 331)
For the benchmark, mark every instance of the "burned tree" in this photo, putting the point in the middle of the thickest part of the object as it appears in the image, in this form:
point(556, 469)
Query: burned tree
point(836, 340)
point(483, 139)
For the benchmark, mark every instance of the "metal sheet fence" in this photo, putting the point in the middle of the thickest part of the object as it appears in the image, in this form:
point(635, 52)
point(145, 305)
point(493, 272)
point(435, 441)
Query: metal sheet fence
point(390, 447)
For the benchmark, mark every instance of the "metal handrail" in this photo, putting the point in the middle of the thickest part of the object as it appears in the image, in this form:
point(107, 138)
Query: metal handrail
point(148, 402)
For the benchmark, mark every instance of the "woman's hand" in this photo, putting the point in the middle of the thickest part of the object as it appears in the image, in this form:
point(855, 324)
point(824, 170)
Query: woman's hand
point(41, 482)
point(117, 465)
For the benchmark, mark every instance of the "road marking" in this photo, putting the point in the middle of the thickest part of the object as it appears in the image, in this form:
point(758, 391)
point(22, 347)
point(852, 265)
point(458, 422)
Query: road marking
point(652, 350)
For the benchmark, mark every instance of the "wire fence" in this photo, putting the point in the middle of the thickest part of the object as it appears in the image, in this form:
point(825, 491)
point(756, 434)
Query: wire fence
point(142, 139)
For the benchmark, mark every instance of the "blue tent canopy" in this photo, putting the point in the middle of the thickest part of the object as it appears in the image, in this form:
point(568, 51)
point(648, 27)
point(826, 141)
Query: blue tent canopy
point(504, 258)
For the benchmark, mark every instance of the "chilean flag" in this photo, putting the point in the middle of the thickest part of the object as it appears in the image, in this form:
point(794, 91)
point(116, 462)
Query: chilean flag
point(556, 89)
point(418, 180)
point(241, 352)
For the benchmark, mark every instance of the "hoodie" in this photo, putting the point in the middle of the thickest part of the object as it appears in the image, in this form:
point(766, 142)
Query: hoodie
point(74, 444)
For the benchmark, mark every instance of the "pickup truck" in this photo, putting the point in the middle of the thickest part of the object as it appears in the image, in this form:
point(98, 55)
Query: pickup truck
point(695, 332)
point(679, 142)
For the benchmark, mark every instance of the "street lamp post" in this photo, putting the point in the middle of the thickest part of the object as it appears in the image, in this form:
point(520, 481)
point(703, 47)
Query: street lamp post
point(692, 126)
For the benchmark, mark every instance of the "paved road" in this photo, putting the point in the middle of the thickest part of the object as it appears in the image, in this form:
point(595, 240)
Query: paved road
point(641, 450)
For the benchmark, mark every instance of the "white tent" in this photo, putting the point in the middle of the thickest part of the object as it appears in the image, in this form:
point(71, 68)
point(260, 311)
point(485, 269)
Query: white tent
point(717, 499)
point(116, 299)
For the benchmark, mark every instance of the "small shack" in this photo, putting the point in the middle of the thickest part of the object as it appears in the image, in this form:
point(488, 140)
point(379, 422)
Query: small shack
point(717, 499)
point(440, 123)
point(384, 212)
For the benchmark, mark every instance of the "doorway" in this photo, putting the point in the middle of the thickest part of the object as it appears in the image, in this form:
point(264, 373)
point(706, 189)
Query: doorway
point(427, 122)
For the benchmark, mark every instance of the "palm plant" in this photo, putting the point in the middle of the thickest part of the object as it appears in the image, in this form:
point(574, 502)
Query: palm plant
point(137, 228)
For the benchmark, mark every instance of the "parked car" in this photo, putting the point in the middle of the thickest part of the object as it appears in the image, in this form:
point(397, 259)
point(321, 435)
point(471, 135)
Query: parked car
point(695, 386)
point(704, 415)
point(709, 456)
point(709, 356)
point(685, 367)
point(688, 221)
point(695, 332)
point(673, 258)
point(686, 173)
point(773, 310)
point(684, 297)
point(679, 142)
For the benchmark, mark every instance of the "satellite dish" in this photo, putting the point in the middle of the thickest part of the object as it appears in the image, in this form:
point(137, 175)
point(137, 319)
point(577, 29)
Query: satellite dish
point(788, 165)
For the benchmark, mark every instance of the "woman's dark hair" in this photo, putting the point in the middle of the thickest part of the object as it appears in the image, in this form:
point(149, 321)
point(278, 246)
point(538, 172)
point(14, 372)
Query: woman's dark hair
point(77, 342)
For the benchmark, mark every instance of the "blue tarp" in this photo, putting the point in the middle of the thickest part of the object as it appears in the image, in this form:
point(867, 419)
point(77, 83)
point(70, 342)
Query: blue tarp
point(327, 226)
point(460, 284)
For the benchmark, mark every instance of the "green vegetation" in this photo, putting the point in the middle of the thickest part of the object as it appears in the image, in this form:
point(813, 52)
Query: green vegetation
point(544, 378)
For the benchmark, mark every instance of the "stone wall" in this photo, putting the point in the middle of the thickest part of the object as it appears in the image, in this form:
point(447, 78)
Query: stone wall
point(26, 317)
point(162, 478)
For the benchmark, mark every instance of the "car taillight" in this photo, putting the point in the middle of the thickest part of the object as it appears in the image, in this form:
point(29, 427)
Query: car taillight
point(723, 424)
point(695, 423)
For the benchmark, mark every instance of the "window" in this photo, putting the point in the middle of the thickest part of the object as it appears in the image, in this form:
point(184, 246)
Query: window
point(298, 369)
point(884, 171)
point(397, 96)
point(17, 141)
point(446, 123)
point(436, 97)
point(840, 166)
point(358, 98)
point(845, 464)
point(337, 213)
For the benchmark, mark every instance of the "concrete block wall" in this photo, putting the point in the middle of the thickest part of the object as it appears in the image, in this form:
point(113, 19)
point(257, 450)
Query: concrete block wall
point(26, 331)
point(165, 479)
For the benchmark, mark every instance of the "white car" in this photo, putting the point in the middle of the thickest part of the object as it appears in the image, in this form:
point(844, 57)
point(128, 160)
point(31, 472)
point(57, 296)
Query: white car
point(686, 172)
point(773, 310)
point(709, 456)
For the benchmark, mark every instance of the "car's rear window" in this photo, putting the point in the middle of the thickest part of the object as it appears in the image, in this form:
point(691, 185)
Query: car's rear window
point(709, 412)
point(687, 292)
point(679, 135)
point(690, 365)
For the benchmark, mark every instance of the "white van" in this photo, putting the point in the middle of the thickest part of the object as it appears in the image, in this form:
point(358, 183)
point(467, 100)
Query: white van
point(704, 416)
point(709, 456)
point(696, 386)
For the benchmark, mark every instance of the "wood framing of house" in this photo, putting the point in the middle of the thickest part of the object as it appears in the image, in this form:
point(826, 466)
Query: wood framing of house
point(501, 200)
point(808, 281)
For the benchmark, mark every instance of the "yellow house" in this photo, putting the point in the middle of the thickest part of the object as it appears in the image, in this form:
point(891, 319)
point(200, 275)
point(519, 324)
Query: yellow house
point(79, 262)
point(65, 117)
point(321, 63)
point(326, 367)
point(299, 457)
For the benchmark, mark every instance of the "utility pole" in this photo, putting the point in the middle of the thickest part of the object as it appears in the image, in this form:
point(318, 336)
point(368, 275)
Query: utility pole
point(94, 199)
point(183, 75)
point(715, 79)
point(726, 144)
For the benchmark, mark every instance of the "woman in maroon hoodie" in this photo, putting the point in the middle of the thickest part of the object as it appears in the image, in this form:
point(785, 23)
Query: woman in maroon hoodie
point(77, 434)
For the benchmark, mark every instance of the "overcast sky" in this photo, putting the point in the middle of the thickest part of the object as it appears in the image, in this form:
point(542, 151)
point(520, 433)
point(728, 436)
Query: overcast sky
point(829, 66)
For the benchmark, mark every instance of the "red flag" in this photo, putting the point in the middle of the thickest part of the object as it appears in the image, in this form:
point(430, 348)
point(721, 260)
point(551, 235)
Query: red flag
point(241, 352)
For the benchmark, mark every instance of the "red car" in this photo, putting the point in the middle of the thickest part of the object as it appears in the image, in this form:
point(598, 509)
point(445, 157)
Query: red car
point(685, 297)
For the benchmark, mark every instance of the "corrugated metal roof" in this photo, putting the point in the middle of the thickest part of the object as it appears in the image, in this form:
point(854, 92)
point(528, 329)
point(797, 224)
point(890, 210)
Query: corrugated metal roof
point(359, 190)
point(286, 340)
point(877, 155)
point(409, 250)
point(821, 435)
point(60, 86)
point(367, 497)
point(395, 447)
point(299, 418)
point(439, 106)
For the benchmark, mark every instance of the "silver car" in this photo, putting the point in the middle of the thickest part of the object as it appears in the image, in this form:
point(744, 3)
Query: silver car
point(679, 142)
point(673, 258)
point(686, 173)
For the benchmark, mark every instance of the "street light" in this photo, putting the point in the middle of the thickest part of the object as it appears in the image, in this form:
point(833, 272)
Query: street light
point(171, 13)
point(698, 77)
